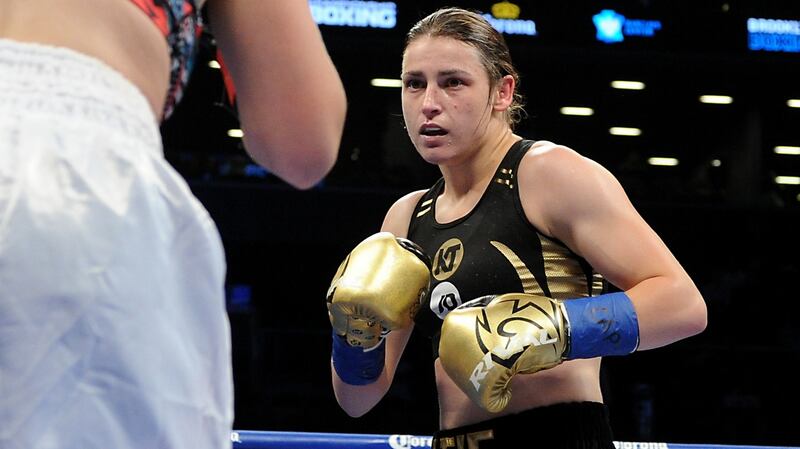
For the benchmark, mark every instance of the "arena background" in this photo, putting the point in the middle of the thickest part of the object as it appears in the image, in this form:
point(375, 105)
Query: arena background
point(734, 228)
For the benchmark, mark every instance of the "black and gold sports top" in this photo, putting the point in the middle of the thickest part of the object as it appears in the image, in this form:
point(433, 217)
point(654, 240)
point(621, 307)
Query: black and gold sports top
point(181, 24)
point(494, 249)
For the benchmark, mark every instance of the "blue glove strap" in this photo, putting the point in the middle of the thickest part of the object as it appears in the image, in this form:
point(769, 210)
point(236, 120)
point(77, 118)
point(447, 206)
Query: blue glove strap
point(601, 325)
point(354, 365)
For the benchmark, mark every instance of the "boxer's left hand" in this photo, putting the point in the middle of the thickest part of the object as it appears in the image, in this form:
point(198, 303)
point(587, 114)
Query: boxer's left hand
point(487, 341)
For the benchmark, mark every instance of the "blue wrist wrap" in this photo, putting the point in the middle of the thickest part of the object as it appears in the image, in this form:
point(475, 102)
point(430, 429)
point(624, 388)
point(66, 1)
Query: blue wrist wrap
point(354, 365)
point(601, 325)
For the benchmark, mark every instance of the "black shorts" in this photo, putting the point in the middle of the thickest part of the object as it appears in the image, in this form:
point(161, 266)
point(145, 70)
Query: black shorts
point(574, 425)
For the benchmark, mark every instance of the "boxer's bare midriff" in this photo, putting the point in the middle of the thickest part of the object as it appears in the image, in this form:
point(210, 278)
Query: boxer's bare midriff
point(572, 381)
point(113, 31)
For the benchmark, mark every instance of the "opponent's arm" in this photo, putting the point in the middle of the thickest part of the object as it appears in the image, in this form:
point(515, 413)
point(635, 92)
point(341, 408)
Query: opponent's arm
point(290, 98)
point(586, 208)
point(357, 398)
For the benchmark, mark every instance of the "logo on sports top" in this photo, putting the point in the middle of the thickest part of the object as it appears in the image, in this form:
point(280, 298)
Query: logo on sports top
point(447, 259)
point(444, 298)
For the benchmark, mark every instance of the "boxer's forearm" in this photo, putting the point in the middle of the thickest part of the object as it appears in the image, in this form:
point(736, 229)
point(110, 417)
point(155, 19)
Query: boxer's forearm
point(356, 400)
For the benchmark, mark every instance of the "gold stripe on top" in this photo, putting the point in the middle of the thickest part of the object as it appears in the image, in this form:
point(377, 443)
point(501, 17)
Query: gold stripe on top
point(597, 284)
point(565, 276)
point(506, 173)
point(529, 283)
point(425, 203)
point(504, 182)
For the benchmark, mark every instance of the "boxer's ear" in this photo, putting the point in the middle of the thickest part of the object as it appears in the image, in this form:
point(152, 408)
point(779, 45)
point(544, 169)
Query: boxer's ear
point(504, 93)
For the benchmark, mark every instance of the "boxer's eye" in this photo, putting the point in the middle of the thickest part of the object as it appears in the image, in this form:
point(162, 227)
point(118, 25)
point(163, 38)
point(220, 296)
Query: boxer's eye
point(414, 84)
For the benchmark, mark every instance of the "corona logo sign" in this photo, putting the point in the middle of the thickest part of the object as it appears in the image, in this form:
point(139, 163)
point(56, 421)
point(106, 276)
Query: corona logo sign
point(505, 10)
point(505, 19)
point(409, 441)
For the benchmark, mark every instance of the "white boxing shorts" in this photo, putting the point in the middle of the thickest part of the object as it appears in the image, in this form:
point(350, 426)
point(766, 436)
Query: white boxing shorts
point(113, 327)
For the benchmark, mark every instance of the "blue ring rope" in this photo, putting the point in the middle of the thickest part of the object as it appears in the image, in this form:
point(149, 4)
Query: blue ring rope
point(249, 439)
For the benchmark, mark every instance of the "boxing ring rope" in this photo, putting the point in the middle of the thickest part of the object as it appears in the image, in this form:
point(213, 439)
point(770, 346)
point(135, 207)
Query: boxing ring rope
point(248, 439)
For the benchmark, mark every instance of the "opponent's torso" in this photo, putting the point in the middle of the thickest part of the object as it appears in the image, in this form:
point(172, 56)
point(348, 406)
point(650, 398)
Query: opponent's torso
point(179, 21)
point(150, 49)
point(493, 249)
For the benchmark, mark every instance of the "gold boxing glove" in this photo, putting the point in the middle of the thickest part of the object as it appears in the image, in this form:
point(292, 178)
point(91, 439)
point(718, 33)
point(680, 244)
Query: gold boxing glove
point(378, 287)
point(487, 341)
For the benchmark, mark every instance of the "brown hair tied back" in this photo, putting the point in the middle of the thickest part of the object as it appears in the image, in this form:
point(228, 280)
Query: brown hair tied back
point(474, 30)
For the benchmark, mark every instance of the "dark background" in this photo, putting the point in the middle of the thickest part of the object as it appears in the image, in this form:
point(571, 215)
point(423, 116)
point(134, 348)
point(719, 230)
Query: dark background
point(733, 228)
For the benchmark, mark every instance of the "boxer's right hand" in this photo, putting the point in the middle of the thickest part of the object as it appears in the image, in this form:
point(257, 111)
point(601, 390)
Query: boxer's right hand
point(378, 287)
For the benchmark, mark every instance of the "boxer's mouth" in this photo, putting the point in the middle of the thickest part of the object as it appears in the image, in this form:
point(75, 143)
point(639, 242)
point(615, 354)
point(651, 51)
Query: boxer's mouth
point(432, 129)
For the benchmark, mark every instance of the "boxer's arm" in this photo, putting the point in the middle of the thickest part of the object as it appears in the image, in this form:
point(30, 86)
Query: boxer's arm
point(487, 341)
point(357, 400)
point(290, 98)
point(586, 208)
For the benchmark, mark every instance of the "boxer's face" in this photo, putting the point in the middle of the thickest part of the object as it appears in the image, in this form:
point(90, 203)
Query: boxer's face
point(446, 98)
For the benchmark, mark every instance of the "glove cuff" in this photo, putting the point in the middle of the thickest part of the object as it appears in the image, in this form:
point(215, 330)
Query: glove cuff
point(354, 365)
point(601, 326)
